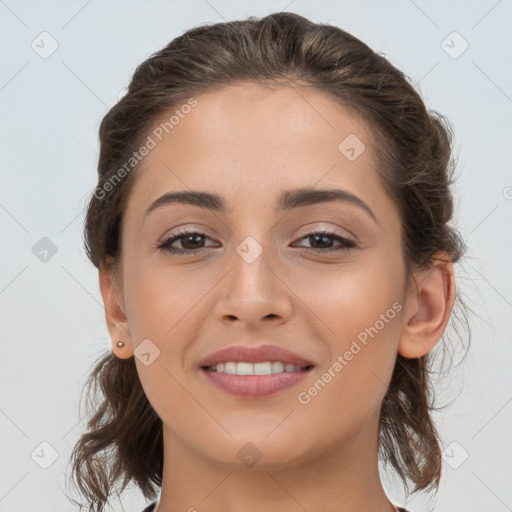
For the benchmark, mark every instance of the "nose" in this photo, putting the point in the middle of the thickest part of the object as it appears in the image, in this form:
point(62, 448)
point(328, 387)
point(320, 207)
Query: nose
point(254, 292)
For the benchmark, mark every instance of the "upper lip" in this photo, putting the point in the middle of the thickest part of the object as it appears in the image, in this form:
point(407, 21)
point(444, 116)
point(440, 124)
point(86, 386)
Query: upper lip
point(260, 354)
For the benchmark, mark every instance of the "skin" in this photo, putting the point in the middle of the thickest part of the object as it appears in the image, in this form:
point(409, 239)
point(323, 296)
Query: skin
point(248, 143)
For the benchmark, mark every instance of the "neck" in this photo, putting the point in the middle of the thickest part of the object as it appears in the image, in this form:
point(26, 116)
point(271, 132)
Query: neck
point(345, 478)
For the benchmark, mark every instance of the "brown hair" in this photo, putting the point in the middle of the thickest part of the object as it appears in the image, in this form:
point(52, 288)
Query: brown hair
point(414, 147)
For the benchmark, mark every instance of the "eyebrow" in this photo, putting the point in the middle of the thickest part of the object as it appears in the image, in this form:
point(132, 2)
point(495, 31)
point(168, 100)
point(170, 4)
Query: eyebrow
point(288, 200)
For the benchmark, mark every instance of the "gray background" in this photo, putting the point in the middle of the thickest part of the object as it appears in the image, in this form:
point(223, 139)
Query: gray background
point(52, 320)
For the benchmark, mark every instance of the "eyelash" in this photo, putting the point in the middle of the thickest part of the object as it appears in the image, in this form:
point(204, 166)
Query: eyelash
point(165, 245)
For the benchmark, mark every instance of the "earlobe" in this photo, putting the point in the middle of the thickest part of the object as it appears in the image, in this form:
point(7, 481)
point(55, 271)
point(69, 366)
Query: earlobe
point(428, 308)
point(117, 323)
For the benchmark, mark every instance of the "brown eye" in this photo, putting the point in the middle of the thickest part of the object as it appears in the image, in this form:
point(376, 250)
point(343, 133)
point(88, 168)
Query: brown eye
point(321, 241)
point(191, 241)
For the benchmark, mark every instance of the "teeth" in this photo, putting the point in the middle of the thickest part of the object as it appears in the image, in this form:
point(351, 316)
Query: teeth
point(243, 368)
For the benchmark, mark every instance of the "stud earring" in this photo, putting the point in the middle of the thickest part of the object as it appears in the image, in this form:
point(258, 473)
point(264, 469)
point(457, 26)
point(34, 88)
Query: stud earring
point(120, 344)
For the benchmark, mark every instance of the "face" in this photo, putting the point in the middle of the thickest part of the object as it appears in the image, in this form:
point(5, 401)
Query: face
point(322, 278)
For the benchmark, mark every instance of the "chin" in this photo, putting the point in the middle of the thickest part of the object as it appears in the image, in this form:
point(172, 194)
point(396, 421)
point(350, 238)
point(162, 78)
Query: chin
point(259, 452)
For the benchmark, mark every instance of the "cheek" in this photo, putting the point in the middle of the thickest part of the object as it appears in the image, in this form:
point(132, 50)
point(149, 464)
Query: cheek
point(159, 300)
point(358, 316)
point(164, 304)
point(360, 319)
point(161, 305)
point(348, 299)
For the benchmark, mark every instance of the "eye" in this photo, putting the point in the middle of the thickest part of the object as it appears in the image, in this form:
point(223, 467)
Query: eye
point(193, 241)
point(190, 242)
point(321, 238)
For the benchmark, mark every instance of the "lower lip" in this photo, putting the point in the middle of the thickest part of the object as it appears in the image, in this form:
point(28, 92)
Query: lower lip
point(255, 385)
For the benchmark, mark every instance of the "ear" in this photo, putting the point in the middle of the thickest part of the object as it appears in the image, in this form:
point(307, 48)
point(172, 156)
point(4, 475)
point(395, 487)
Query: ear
point(428, 307)
point(116, 320)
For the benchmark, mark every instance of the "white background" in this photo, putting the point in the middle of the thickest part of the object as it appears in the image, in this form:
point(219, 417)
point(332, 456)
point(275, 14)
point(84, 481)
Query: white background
point(52, 322)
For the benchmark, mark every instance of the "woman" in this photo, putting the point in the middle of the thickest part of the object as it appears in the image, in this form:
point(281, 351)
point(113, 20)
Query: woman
point(271, 230)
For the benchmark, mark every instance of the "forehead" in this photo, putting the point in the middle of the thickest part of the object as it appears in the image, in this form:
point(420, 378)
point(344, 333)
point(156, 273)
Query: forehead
point(251, 141)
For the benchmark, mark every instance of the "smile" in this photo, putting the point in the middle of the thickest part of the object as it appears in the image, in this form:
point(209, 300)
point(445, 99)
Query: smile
point(242, 379)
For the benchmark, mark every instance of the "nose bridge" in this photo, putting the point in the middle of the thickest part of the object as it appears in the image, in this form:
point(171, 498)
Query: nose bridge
point(252, 263)
point(252, 290)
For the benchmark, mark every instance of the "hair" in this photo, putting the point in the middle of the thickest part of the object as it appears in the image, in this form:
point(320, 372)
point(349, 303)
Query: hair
point(414, 147)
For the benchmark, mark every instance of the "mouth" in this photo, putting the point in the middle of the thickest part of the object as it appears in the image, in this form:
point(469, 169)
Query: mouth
point(256, 380)
point(263, 368)
point(246, 371)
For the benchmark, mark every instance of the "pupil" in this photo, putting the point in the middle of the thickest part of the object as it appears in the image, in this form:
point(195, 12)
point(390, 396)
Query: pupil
point(191, 237)
point(324, 237)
